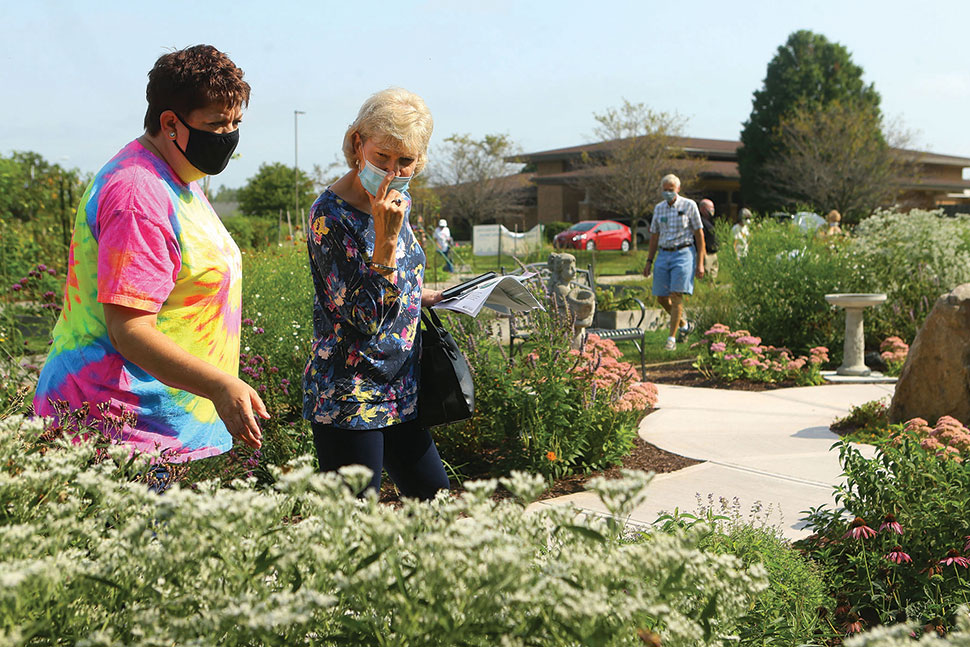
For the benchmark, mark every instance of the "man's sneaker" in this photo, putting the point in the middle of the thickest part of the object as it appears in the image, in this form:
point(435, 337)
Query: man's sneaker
point(683, 333)
point(671, 344)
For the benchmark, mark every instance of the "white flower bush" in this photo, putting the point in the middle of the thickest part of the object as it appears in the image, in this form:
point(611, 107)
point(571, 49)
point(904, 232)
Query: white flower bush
point(902, 636)
point(89, 557)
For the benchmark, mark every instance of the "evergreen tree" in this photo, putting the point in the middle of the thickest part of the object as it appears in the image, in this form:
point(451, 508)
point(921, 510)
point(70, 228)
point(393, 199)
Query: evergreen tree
point(807, 72)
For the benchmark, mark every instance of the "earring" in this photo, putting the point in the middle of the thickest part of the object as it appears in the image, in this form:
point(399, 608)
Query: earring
point(171, 135)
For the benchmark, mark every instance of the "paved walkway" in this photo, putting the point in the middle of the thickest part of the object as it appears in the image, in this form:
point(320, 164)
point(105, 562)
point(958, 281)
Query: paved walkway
point(768, 448)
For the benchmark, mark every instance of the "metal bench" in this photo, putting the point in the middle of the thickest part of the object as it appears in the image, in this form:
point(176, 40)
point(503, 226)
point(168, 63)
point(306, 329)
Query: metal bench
point(634, 334)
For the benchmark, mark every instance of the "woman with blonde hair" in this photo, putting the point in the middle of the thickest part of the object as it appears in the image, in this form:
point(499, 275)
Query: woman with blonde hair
point(361, 382)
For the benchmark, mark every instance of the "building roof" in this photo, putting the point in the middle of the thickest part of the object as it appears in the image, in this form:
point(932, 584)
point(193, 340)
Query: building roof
point(694, 145)
point(717, 149)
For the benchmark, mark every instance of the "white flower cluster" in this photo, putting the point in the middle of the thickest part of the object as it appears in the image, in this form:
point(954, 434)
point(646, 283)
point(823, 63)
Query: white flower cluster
point(89, 557)
point(901, 635)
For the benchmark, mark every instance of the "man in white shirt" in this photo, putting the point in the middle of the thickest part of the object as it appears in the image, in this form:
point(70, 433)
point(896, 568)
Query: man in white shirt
point(676, 229)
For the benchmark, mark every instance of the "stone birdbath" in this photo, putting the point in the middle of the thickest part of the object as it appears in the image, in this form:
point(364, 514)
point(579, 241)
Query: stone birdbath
point(853, 355)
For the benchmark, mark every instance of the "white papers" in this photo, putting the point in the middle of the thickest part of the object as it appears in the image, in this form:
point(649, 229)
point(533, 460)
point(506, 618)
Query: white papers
point(502, 293)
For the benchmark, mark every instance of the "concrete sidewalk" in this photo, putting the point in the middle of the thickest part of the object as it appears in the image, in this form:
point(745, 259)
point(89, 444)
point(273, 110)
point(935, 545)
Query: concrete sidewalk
point(769, 449)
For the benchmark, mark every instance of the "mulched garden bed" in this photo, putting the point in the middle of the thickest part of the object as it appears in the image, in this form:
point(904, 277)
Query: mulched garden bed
point(682, 373)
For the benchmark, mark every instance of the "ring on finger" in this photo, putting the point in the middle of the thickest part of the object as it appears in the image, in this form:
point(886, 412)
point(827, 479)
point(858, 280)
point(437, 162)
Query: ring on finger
point(397, 202)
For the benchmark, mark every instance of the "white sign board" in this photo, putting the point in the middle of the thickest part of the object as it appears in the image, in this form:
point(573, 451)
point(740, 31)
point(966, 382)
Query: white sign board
point(490, 240)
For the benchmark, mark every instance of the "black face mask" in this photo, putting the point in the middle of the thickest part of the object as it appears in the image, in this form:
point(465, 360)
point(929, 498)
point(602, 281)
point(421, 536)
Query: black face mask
point(207, 151)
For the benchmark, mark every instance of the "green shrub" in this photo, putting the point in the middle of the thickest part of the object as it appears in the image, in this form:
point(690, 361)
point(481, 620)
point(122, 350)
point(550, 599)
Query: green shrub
point(893, 550)
point(780, 285)
point(914, 258)
point(89, 558)
point(552, 229)
point(241, 229)
point(866, 423)
point(549, 409)
point(787, 612)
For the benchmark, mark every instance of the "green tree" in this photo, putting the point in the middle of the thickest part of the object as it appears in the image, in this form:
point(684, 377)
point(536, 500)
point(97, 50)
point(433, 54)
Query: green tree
point(809, 72)
point(834, 158)
point(271, 191)
point(643, 146)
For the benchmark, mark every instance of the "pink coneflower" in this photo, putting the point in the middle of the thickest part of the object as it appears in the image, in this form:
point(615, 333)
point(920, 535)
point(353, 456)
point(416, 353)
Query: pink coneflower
point(889, 524)
point(859, 530)
point(897, 555)
point(953, 558)
point(853, 624)
point(966, 548)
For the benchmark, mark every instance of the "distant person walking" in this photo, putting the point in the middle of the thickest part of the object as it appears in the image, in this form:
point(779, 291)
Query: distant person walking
point(740, 233)
point(444, 242)
point(676, 229)
point(710, 239)
point(832, 225)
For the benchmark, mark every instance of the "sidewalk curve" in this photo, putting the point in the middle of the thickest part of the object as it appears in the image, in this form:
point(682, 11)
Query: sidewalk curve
point(768, 449)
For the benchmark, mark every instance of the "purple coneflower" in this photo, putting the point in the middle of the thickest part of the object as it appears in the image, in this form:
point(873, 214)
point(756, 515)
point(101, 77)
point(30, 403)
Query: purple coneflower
point(966, 548)
point(853, 624)
point(897, 555)
point(859, 530)
point(889, 523)
point(954, 558)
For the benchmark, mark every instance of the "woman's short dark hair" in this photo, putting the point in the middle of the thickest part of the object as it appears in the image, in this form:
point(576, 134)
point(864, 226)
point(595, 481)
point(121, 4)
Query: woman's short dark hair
point(192, 78)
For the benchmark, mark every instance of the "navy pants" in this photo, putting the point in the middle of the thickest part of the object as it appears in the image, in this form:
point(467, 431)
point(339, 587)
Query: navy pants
point(405, 450)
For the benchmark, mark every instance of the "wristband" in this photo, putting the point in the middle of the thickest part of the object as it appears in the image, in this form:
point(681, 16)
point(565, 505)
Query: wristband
point(650, 261)
point(381, 267)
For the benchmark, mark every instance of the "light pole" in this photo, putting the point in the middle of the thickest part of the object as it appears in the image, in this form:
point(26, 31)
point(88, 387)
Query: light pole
point(296, 167)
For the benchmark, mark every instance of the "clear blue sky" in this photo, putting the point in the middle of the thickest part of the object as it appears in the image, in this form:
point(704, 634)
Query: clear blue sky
point(73, 73)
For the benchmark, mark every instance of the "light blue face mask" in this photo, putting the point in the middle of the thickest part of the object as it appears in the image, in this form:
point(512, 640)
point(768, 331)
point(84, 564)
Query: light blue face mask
point(371, 177)
point(670, 195)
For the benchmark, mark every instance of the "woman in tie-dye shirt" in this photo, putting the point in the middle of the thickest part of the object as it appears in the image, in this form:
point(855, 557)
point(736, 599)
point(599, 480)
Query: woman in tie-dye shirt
point(150, 323)
point(361, 382)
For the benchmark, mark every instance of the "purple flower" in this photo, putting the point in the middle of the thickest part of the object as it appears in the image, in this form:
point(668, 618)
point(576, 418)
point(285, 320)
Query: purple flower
point(262, 388)
point(16, 287)
point(51, 271)
point(718, 347)
point(859, 530)
point(889, 524)
point(259, 331)
point(42, 268)
point(953, 558)
point(897, 555)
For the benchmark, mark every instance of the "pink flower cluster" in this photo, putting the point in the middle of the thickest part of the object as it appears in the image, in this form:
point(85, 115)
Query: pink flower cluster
point(599, 360)
point(948, 439)
point(894, 351)
point(738, 354)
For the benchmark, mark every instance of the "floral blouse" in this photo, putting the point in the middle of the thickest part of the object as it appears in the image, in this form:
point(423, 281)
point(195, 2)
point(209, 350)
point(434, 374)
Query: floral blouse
point(363, 370)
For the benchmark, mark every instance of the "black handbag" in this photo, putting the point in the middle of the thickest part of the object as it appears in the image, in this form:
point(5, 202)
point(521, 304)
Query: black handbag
point(447, 392)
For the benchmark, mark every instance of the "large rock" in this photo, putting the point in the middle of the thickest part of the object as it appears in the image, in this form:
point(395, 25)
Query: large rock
point(936, 377)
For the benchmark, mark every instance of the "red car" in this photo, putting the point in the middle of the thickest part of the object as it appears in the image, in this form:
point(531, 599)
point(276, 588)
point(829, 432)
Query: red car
point(595, 234)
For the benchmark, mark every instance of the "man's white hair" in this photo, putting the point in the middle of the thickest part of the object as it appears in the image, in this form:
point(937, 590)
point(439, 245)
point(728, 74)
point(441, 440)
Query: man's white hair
point(670, 177)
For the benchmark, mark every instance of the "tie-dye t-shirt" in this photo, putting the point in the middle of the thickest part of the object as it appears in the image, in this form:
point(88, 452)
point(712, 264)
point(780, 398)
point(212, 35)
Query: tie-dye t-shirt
point(363, 372)
point(145, 240)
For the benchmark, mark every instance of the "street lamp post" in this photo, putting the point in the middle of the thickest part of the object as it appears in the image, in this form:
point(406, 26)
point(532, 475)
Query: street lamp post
point(296, 166)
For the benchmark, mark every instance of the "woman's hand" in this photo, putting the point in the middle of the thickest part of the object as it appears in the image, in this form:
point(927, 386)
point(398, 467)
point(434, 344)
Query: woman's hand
point(430, 297)
point(237, 404)
point(388, 210)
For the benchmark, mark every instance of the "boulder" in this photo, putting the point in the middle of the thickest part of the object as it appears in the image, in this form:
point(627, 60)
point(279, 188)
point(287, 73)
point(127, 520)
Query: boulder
point(935, 380)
